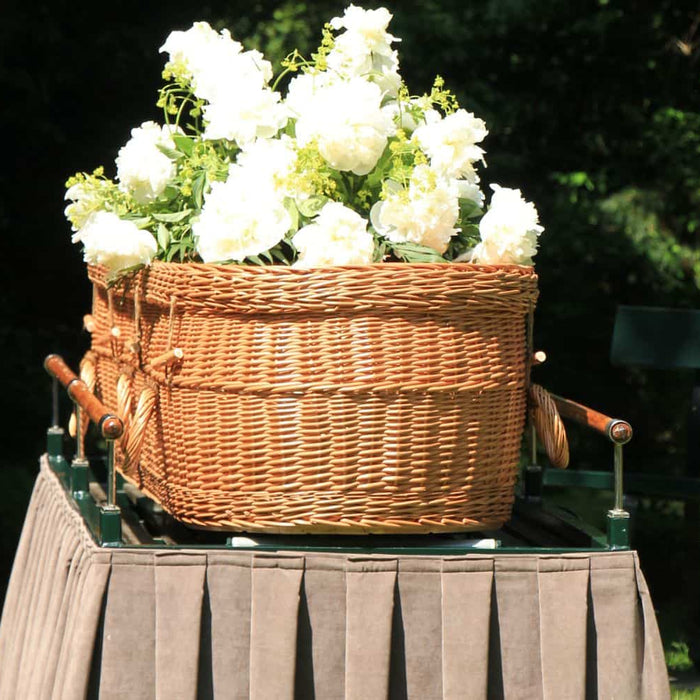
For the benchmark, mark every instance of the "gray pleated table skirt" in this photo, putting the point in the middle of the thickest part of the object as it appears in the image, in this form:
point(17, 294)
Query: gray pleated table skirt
point(81, 621)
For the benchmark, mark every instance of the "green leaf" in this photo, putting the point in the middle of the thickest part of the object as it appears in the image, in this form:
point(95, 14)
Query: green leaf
point(413, 252)
point(137, 220)
point(163, 236)
point(379, 251)
point(173, 217)
point(279, 256)
point(312, 206)
point(184, 144)
point(198, 183)
point(468, 209)
point(170, 152)
point(171, 193)
point(293, 212)
point(466, 239)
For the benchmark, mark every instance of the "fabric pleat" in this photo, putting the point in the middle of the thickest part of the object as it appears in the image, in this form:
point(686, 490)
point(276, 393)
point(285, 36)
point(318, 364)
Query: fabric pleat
point(179, 589)
point(466, 615)
point(368, 633)
point(274, 612)
point(81, 621)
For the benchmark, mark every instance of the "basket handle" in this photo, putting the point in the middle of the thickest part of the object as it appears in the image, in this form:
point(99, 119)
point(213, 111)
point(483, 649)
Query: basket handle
point(549, 426)
point(132, 444)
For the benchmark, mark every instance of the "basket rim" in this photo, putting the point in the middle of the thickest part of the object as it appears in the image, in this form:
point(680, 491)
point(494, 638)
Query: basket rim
point(100, 273)
point(276, 288)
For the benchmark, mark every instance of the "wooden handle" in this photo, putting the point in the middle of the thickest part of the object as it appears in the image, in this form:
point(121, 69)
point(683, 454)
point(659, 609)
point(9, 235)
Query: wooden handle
point(109, 425)
point(619, 431)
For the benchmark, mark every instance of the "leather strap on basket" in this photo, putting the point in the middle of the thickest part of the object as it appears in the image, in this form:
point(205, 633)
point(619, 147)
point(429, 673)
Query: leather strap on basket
point(549, 426)
point(88, 374)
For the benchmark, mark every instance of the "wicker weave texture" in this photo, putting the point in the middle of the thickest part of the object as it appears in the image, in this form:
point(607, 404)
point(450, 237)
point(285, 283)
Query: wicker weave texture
point(386, 398)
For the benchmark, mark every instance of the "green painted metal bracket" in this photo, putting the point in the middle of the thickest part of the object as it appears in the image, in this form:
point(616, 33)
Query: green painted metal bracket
point(110, 524)
point(618, 529)
point(79, 477)
point(54, 449)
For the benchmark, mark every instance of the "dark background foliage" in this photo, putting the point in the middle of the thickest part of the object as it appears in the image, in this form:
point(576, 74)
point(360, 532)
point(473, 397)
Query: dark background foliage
point(594, 112)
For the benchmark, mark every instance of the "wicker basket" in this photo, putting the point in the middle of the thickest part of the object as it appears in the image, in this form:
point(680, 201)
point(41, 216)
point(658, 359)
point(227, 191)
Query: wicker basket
point(385, 398)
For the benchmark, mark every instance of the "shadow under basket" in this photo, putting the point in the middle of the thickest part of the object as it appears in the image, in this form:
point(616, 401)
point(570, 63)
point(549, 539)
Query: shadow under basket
point(387, 398)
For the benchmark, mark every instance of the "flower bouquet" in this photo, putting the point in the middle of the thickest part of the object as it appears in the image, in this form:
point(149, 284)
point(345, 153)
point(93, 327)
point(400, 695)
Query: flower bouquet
point(326, 331)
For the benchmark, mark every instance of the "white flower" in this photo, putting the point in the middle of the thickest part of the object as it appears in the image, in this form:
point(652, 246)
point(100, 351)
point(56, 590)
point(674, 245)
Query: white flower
point(84, 202)
point(508, 230)
point(271, 162)
point(409, 116)
point(215, 65)
point(241, 217)
point(242, 116)
point(142, 168)
point(345, 119)
point(198, 50)
point(450, 143)
point(425, 213)
point(368, 25)
point(364, 50)
point(115, 243)
point(303, 89)
point(349, 61)
point(337, 236)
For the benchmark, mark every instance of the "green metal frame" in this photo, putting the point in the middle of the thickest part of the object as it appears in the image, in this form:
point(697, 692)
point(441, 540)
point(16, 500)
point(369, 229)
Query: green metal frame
point(105, 524)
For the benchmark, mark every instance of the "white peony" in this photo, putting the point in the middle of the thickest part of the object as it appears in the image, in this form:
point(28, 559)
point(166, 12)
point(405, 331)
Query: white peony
point(272, 163)
point(349, 61)
point(425, 213)
point(346, 121)
point(364, 49)
point(243, 116)
point(142, 168)
point(337, 236)
point(115, 243)
point(212, 61)
point(370, 24)
point(450, 143)
point(508, 230)
point(195, 52)
point(304, 88)
point(242, 216)
point(85, 201)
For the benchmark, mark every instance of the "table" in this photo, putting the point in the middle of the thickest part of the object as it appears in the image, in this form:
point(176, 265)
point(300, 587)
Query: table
point(82, 621)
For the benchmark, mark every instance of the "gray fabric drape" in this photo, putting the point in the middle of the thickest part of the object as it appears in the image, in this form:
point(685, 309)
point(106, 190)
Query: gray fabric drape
point(80, 621)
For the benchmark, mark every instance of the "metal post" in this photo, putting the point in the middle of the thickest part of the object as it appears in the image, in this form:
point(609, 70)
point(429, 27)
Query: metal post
point(618, 517)
point(618, 477)
point(110, 513)
point(79, 479)
point(111, 475)
point(54, 403)
point(80, 446)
